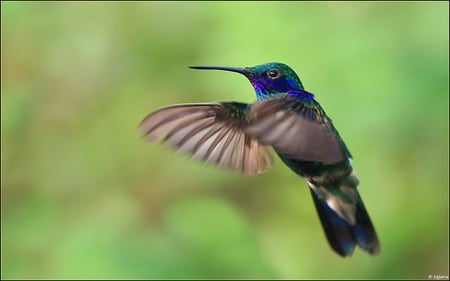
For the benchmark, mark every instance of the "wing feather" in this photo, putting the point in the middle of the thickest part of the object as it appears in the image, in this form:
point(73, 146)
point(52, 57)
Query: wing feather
point(212, 132)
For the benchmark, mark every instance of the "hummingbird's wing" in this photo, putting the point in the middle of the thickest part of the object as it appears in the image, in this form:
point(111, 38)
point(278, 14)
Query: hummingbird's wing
point(299, 130)
point(212, 132)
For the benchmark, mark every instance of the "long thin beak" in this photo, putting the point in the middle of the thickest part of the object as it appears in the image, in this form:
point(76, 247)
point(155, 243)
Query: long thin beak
point(242, 70)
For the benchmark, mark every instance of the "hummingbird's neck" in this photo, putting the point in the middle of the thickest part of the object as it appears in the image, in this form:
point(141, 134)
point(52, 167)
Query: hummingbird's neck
point(264, 94)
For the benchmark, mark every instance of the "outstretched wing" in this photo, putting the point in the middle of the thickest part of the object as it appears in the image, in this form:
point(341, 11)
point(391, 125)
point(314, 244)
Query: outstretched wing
point(212, 132)
point(300, 130)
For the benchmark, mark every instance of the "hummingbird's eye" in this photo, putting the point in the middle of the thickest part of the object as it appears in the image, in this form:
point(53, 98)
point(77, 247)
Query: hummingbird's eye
point(273, 73)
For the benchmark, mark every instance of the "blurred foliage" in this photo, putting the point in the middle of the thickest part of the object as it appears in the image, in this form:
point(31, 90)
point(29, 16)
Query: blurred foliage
point(83, 196)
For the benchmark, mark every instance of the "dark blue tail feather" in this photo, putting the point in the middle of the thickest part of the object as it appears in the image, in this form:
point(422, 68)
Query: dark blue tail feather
point(342, 236)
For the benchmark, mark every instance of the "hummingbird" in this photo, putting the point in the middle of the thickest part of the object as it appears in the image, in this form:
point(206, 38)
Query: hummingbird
point(286, 119)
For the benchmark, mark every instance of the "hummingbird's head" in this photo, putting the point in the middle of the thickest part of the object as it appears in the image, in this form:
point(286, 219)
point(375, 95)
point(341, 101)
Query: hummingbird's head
point(267, 79)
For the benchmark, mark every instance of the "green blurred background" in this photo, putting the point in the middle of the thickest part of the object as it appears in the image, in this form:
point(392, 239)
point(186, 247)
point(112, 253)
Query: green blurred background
point(83, 196)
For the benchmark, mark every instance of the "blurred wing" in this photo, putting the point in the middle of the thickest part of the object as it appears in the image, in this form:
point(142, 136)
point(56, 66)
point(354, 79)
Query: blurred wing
point(212, 132)
point(300, 131)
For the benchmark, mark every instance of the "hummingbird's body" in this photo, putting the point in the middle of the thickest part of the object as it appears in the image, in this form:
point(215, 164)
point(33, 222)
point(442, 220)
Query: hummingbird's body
point(286, 117)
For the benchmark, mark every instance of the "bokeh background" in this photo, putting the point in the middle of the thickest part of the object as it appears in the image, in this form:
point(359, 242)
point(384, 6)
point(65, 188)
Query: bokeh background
point(83, 196)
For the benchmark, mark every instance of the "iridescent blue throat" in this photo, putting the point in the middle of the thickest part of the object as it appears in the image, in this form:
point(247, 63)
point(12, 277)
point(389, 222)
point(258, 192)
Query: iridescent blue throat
point(263, 93)
point(267, 89)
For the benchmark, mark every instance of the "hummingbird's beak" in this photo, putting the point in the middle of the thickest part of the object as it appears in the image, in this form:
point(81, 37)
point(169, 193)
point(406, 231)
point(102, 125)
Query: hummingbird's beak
point(242, 70)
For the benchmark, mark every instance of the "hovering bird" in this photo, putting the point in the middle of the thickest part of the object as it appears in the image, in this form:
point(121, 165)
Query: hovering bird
point(287, 118)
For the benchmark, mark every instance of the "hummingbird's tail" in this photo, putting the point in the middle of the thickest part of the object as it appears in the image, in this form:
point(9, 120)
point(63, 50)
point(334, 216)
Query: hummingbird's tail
point(344, 236)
